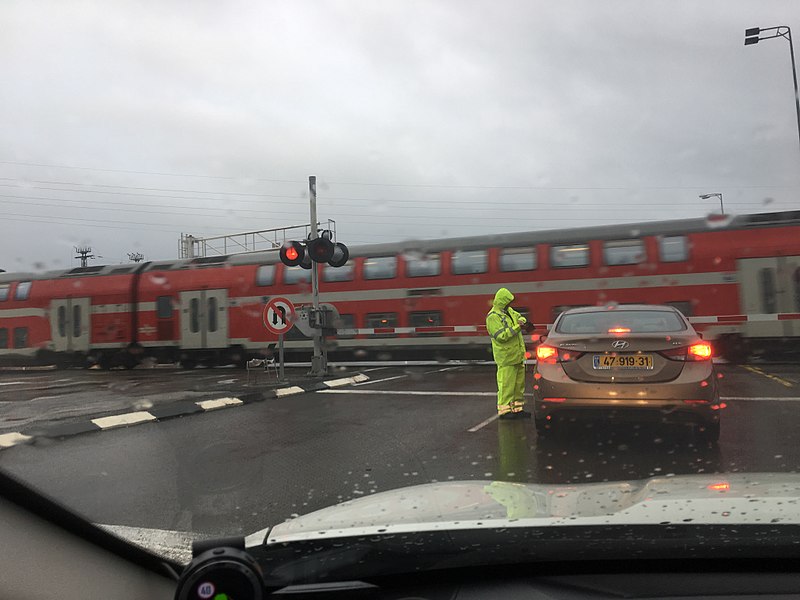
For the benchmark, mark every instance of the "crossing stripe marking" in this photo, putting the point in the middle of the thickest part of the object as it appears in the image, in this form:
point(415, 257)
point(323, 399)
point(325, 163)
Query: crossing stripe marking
point(12, 439)
point(133, 418)
point(288, 391)
point(218, 403)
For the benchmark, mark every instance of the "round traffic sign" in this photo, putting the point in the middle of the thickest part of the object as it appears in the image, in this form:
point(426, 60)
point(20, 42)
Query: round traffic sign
point(279, 315)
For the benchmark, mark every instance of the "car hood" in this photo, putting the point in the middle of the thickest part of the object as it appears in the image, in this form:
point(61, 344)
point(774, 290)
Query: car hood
point(724, 499)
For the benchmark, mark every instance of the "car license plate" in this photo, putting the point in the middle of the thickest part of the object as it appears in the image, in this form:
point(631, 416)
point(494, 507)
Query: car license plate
point(624, 361)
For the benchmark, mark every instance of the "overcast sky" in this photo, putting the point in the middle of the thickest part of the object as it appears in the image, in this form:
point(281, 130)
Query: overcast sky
point(124, 124)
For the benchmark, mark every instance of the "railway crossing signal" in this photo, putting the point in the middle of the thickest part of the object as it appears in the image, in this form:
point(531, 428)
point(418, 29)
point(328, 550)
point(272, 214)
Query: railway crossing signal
point(317, 250)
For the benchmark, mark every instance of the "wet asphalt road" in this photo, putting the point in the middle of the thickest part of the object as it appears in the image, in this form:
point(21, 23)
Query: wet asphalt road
point(241, 469)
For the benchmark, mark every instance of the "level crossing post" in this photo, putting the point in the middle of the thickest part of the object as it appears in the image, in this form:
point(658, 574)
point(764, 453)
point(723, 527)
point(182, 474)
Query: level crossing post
point(281, 374)
point(319, 362)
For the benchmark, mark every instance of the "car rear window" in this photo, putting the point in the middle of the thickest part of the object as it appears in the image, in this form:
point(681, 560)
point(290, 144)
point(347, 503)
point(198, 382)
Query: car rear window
point(626, 321)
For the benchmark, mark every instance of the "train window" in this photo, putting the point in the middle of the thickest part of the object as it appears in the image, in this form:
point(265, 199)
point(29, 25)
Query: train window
point(346, 326)
point(23, 290)
point(4, 292)
point(424, 266)
point(164, 307)
point(62, 321)
point(194, 315)
point(766, 279)
point(682, 305)
point(213, 305)
point(378, 320)
point(429, 318)
point(673, 248)
point(623, 252)
point(344, 273)
point(20, 337)
point(76, 321)
point(469, 262)
point(265, 275)
point(296, 275)
point(574, 255)
point(518, 259)
point(380, 267)
point(3, 337)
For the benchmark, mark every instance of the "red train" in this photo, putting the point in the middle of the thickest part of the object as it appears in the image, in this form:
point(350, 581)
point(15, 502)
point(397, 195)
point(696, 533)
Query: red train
point(404, 297)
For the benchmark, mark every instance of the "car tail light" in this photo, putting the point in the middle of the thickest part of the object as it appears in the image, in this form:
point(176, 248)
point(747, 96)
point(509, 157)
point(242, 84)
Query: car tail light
point(546, 354)
point(699, 351)
point(551, 355)
point(554, 400)
point(619, 330)
point(722, 486)
point(695, 401)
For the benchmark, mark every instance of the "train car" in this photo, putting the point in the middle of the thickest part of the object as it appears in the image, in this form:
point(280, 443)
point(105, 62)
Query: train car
point(738, 279)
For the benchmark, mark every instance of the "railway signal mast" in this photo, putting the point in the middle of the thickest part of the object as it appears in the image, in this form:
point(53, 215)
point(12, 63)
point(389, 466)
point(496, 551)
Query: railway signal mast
point(318, 248)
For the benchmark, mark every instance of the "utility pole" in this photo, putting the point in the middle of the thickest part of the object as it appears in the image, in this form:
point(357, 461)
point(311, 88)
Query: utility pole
point(84, 253)
point(319, 362)
point(135, 257)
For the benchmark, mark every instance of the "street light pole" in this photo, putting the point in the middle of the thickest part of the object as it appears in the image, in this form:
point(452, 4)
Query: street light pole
point(718, 195)
point(753, 36)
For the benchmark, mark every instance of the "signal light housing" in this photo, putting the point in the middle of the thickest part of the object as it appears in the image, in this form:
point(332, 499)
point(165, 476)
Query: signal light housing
point(339, 256)
point(320, 249)
point(292, 253)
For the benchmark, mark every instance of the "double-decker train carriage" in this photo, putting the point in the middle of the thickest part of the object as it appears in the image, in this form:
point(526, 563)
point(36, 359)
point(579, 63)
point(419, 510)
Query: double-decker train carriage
point(738, 280)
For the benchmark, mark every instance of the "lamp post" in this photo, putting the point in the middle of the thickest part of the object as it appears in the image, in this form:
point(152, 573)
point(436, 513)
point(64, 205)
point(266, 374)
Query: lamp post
point(753, 36)
point(718, 195)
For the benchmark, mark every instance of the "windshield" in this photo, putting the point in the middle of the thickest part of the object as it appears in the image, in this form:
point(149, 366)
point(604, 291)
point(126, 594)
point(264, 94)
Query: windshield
point(261, 260)
point(621, 321)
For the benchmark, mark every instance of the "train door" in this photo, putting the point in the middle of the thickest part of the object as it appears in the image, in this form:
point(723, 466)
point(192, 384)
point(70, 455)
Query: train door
point(204, 319)
point(70, 324)
point(769, 286)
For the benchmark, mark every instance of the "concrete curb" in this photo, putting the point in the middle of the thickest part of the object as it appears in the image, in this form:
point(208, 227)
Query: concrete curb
point(169, 411)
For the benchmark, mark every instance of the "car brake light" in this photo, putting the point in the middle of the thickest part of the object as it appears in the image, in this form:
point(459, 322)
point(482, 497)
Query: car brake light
point(546, 354)
point(699, 351)
point(619, 330)
point(695, 401)
point(554, 400)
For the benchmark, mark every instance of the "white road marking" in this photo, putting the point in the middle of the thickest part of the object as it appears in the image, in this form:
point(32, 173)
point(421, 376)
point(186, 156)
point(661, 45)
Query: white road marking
point(408, 393)
point(483, 423)
point(218, 403)
point(375, 369)
point(380, 380)
point(346, 380)
point(12, 439)
point(440, 370)
point(768, 398)
point(12, 383)
point(227, 381)
point(289, 391)
point(133, 418)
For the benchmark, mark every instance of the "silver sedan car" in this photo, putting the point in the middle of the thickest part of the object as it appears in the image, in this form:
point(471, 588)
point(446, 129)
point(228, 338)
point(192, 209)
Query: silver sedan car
point(626, 363)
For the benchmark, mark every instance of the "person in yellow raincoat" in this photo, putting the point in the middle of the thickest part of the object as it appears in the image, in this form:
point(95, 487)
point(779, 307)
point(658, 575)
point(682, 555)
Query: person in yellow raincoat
point(505, 326)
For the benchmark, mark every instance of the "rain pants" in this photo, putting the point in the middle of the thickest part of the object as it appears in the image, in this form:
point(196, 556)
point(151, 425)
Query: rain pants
point(508, 348)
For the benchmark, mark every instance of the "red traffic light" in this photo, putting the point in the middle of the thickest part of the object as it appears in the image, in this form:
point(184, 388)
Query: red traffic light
point(292, 253)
